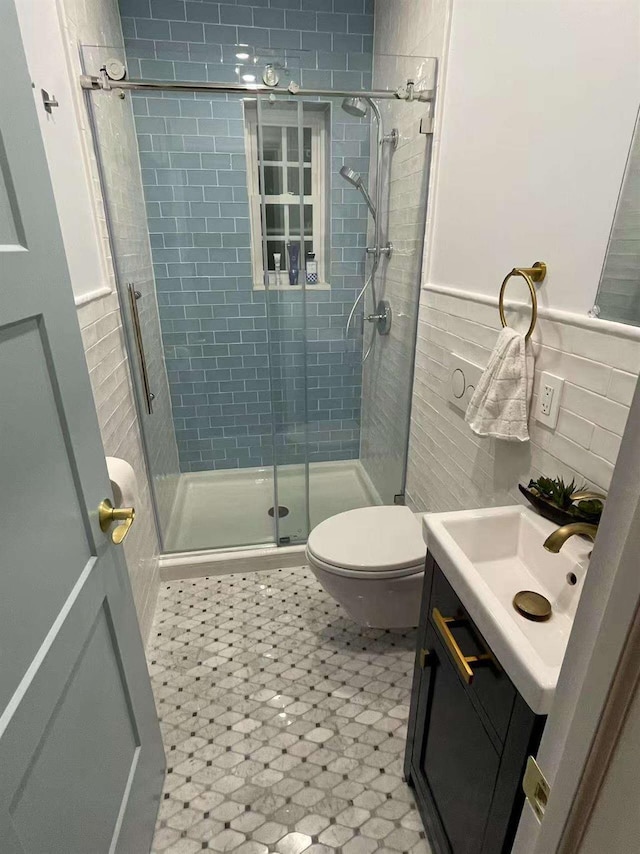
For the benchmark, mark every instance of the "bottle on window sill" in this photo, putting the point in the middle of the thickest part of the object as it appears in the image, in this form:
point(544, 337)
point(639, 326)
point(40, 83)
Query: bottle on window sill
point(294, 262)
point(276, 264)
point(311, 269)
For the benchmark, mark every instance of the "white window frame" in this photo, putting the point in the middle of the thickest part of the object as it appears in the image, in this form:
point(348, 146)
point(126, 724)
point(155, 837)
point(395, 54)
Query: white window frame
point(316, 120)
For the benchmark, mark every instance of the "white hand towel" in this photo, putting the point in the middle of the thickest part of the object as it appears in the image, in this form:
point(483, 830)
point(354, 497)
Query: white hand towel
point(499, 406)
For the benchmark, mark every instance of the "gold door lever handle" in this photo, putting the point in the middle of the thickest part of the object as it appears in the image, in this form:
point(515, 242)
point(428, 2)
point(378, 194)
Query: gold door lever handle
point(107, 514)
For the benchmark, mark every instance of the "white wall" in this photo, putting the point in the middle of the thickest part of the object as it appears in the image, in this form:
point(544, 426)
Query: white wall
point(476, 233)
point(66, 147)
point(539, 108)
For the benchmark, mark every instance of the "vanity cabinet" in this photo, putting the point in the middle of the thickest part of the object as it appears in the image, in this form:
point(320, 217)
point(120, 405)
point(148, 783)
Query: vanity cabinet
point(470, 732)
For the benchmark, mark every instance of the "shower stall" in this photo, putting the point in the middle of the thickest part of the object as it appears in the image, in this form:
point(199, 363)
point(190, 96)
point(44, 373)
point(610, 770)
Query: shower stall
point(268, 277)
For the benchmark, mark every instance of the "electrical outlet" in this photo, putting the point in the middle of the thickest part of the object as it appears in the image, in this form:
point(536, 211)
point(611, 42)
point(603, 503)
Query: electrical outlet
point(546, 399)
point(549, 399)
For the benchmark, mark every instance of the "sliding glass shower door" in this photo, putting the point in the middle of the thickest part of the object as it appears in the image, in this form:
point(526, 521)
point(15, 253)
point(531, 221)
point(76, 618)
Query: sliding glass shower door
point(239, 252)
point(197, 331)
point(281, 183)
point(310, 255)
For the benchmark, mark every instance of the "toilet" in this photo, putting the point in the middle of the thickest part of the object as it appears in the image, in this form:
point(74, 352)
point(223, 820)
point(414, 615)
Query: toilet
point(371, 561)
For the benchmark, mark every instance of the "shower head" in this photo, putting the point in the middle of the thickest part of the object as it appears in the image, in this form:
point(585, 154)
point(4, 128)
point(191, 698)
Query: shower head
point(355, 179)
point(355, 107)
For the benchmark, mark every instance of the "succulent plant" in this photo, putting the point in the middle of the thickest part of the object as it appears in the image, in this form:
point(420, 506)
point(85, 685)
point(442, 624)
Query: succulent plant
point(557, 492)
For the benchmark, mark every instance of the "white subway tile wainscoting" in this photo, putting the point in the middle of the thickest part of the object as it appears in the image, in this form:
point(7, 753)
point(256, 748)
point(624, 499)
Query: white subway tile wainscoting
point(100, 324)
point(284, 722)
point(452, 469)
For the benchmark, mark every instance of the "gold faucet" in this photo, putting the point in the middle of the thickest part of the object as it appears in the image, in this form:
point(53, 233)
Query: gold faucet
point(588, 495)
point(557, 539)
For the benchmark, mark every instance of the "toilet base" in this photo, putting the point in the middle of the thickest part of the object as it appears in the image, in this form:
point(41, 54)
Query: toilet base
point(380, 603)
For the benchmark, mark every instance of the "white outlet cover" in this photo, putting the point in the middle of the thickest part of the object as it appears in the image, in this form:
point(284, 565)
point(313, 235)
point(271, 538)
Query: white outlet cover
point(550, 418)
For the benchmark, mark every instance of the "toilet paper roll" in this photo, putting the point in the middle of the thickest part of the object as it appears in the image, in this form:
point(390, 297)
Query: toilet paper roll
point(123, 482)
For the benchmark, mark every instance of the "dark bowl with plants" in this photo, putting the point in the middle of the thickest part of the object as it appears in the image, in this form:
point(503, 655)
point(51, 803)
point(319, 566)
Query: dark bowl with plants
point(552, 498)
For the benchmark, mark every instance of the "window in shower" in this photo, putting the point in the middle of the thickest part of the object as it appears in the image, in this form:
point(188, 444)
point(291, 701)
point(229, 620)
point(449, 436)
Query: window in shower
point(275, 153)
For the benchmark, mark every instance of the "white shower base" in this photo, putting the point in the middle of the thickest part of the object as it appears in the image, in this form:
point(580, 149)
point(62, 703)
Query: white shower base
point(229, 509)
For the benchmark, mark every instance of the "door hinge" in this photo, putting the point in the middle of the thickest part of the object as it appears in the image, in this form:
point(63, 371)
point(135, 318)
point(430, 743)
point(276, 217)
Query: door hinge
point(423, 658)
point(536, 788)
point(48, 100)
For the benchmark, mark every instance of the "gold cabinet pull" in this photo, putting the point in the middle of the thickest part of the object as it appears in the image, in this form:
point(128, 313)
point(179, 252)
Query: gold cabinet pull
point(462, 662)
point(108, 514)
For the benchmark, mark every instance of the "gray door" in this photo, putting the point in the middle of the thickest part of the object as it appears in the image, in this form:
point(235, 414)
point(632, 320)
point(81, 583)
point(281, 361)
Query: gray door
point(81, 760)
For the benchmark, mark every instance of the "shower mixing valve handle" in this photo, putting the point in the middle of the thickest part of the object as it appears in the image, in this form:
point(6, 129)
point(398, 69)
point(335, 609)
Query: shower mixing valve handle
point(382, 250)
point(382, 317)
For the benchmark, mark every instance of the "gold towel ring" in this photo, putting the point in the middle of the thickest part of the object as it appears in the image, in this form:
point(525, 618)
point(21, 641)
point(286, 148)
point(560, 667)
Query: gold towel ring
point(530, 275)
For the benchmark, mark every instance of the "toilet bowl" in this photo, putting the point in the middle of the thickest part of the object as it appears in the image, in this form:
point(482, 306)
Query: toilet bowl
point(371, 561)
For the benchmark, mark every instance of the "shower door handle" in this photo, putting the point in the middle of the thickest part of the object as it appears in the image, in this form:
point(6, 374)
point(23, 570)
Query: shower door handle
point(134, 296)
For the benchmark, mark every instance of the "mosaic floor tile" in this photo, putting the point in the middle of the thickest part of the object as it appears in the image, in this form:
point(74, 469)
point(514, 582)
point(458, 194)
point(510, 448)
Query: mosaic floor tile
point(283, 721)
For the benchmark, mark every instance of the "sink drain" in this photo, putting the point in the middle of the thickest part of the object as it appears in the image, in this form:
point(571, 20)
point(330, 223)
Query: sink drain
point(282, 511)
point(533, 606)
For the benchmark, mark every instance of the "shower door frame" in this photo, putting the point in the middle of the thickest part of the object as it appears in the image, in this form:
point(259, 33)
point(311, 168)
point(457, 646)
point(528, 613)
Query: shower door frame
point(94, 84)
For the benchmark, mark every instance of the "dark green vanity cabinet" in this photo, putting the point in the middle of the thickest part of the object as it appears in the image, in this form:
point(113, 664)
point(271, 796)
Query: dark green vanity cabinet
point(467, 744)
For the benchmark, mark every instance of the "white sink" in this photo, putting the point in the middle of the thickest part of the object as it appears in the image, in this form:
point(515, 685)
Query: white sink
point(490, 555)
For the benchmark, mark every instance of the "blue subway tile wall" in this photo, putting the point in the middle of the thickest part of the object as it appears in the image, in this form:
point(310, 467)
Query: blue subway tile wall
point(245, 374)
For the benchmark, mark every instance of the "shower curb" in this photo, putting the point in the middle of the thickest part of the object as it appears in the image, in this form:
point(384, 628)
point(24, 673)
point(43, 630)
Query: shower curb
point(199, 564)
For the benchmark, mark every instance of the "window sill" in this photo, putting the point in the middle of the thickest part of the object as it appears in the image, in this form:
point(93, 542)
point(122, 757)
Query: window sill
point(321, 286)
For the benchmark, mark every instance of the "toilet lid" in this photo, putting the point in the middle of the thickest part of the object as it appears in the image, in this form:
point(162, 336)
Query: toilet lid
point(370, 538)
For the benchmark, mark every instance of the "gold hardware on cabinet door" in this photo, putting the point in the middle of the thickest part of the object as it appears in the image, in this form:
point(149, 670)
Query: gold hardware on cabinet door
point(423, 658)
point(107, 514)
point(462, 662)
point(536, 788)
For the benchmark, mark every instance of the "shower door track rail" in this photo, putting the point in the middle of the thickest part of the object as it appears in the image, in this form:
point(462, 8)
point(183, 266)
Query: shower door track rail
point(104, 82)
